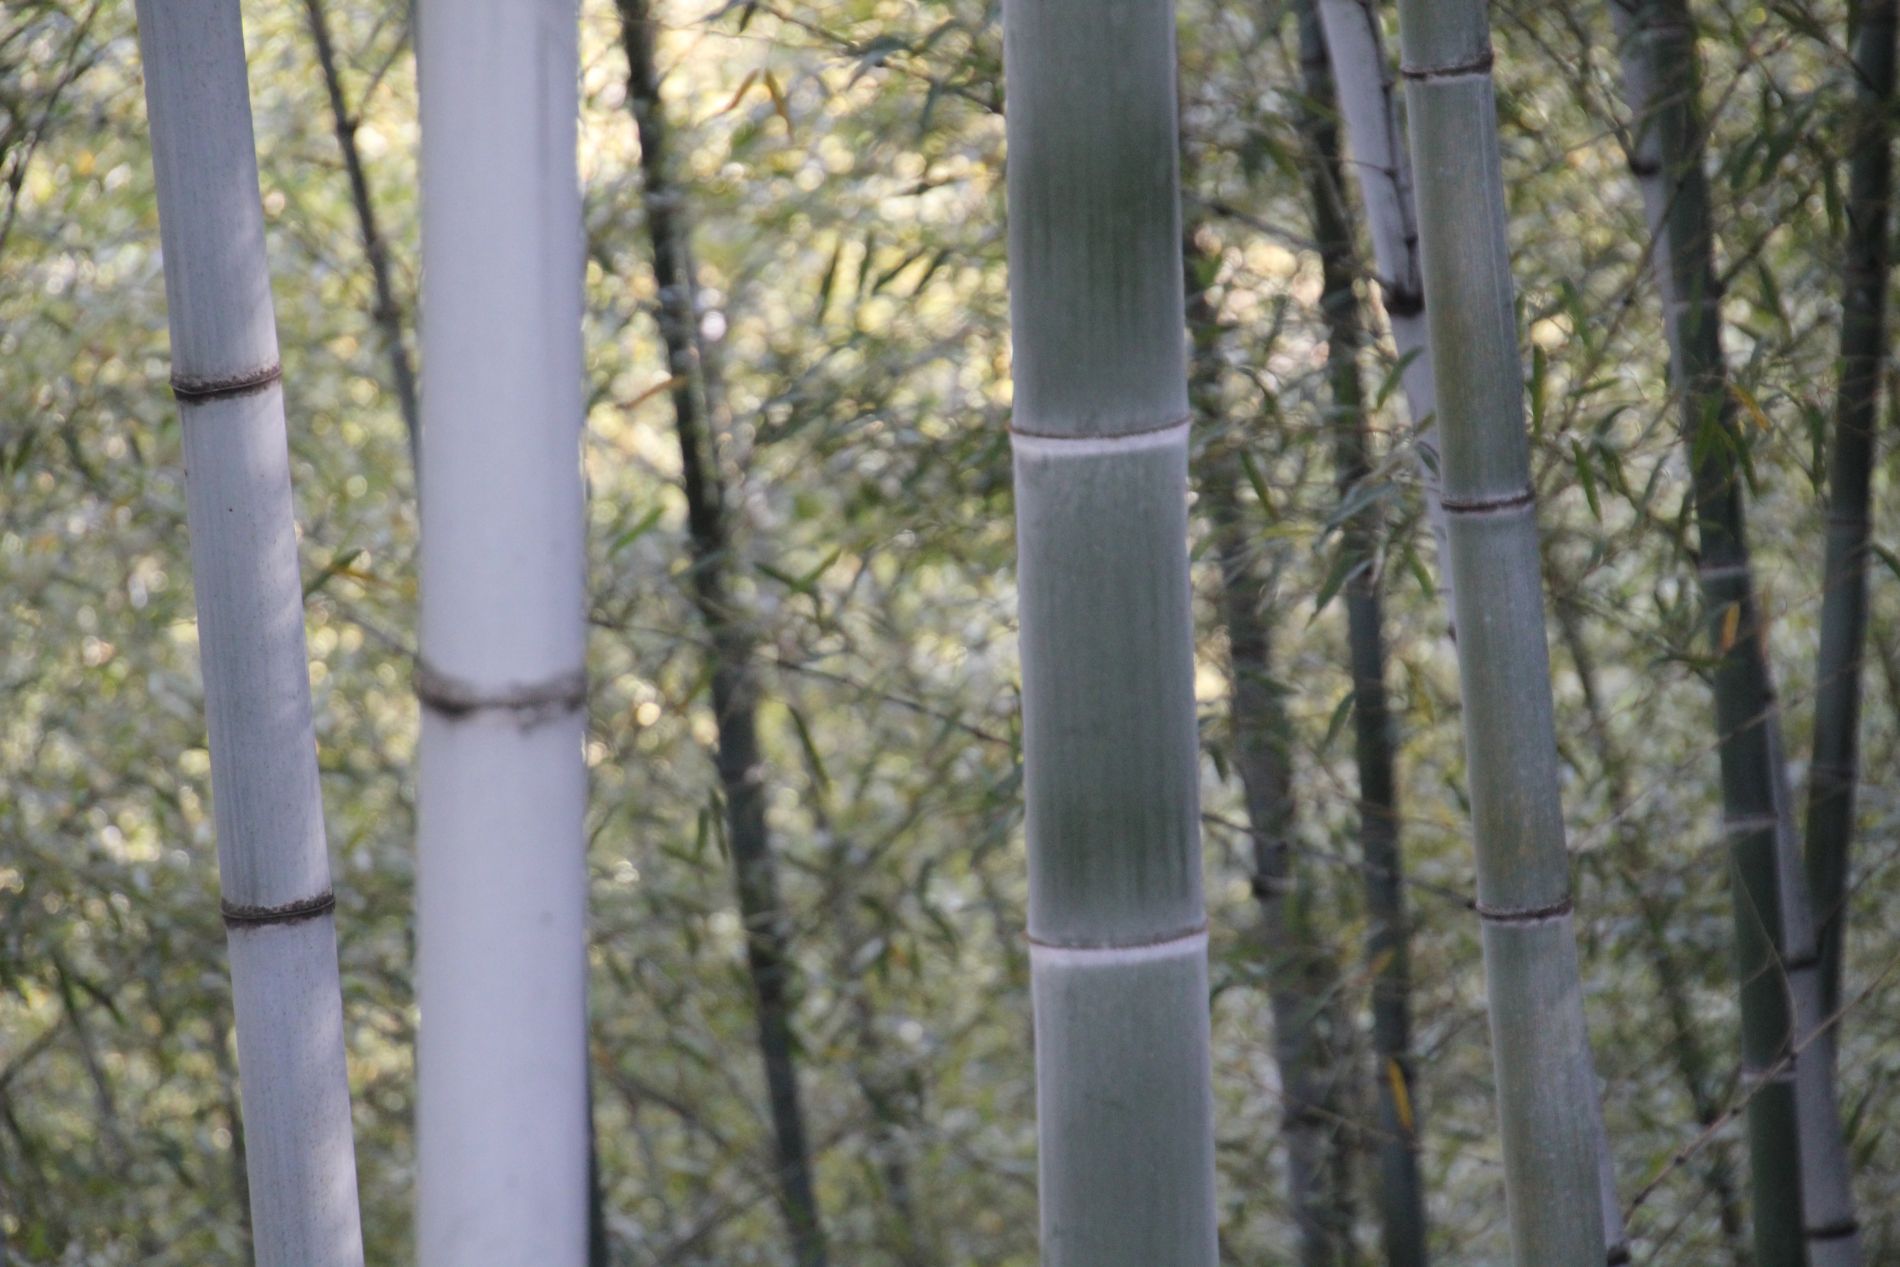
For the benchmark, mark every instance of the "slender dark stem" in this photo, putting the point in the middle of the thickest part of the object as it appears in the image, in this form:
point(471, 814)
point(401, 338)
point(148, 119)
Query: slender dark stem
point(1402, 1199)
point(696, 398)
point(1835, 770)
point(1310, 1034)
point(388, 313)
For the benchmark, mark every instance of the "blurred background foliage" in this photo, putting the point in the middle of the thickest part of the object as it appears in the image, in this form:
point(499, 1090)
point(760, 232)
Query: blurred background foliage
point(842, 167)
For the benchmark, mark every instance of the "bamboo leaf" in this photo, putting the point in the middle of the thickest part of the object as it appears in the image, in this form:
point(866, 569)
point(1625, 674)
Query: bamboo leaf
point(338, 566)
point(813, 761)
point(1587, 477)
point(1748, 402)
point(1401, 1098)
point(745, 86)
point(779, 105)
point(638, 530)
point(664, 385)
point(1341, 711)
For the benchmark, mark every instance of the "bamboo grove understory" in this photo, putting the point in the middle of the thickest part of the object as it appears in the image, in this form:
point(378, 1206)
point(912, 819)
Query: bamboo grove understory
point(1085, 632)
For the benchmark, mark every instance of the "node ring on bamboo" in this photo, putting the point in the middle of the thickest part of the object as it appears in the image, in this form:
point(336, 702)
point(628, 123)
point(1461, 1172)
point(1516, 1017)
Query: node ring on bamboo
point(530, 703)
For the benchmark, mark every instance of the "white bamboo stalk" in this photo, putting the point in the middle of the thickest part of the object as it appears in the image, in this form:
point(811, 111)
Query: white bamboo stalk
point(1547, 1109)
point(1111, 755)
point(501, 1122)
point(1382, 170)
point(273, 864)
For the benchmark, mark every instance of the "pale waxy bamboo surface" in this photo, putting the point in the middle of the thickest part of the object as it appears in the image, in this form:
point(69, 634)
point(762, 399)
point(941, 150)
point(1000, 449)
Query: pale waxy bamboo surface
point(502, 1114)
point(1111, 756)
point(273, 863)
point(1547, 1108)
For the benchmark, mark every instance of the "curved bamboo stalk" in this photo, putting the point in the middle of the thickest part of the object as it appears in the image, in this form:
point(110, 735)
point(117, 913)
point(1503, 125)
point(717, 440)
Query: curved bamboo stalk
point(1804, 1209)
point(1364, 91)
point(273, 864)
point(1835, 770)
point(1546, 1100)
point(1402, 1191)
point(1117, 926)
point(502, 1131)
point(696, 395)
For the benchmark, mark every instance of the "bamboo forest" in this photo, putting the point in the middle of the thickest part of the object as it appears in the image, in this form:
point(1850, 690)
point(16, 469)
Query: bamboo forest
point(948, 633)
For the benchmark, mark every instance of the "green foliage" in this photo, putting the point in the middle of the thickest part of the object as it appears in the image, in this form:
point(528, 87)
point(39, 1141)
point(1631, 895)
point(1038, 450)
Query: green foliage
point(847, 213)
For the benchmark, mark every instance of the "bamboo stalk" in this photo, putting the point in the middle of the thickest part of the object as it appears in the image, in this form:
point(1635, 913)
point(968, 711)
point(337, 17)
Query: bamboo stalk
point(1309, 1034)
point(1803, 1202)
point(273, 864)
point(1546, 1100)
point(1368, 105)
point(387, 312)
point(1835, 769)
point(1402, 1194)
point(696, 395)
point(502, 1129)
point(1118, 947)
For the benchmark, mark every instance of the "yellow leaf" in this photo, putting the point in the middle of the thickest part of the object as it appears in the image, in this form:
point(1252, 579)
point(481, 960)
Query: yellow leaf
point(779, 105)
point(745, 85)
point(1731, 625)
point(1749, 403)
point(664, 385)
point(1401, 1098)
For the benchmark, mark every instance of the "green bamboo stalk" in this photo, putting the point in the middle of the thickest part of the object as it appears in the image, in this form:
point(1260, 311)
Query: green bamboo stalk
point(1310, 1043)
point(1117, 925)
point(1835, 769)
point(1802, 1197)
point(1546, 1101)
point(1402, 1192)
point(695, 393)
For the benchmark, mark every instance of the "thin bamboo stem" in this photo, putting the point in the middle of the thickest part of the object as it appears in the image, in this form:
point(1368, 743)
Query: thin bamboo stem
point(697, 395)
point(1833, 774)
point(1309, 1033)
point(387, 312)
point(1803, 1203)
point(1402, 1195)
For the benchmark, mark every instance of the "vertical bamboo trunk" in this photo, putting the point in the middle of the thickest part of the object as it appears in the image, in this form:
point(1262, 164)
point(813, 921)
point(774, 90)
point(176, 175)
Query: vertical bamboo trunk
point(696, 393)
point(1310, 1037)
point(1546, 1100)
point(1363, 90)
point(1803, 1202)
point(1402, 1193)
point(273, 864)
point(1117, 926)
point(1835, 770)
point(387, 313)
point(502, 1115)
